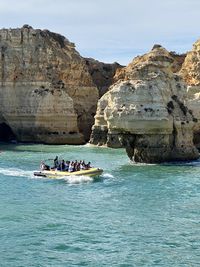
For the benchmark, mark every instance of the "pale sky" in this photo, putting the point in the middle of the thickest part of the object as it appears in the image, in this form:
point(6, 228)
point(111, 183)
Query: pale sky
point(110, 30)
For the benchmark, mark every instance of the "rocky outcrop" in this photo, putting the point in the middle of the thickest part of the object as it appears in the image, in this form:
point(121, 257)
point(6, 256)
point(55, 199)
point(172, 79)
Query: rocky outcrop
point(145, 111)
point(46, 91)
point(102, 73)
point(178, 61)
point(190, 72)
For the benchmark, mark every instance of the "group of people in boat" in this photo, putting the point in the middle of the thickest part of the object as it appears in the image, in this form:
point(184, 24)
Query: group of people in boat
point(69, 166)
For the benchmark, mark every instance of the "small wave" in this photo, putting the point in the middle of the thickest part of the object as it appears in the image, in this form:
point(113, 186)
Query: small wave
point(107, 175)
point(169, 163)
point(16, 172)
point(192, 163)
point(133, 163)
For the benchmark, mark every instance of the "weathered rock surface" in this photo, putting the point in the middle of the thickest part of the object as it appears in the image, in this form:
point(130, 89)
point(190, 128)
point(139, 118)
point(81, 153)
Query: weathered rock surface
point(190, 72)
point(145, 112)
point(46, 92)
point(178, 61)
point(102, 74)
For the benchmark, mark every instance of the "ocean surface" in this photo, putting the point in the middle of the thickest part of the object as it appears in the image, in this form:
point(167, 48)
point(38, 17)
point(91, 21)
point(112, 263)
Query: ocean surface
point(133, 215)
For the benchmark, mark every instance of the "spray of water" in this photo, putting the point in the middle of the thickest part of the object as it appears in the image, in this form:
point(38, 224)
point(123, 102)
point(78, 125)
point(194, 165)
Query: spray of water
point(16, 172)
point(107, 175)
point(78, 179)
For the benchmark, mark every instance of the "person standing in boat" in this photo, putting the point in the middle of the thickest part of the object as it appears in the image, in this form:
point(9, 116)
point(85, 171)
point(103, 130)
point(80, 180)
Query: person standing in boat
point(56, 163)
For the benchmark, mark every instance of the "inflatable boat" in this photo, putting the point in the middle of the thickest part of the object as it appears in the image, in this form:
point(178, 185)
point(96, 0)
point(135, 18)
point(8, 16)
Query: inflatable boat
point(59, 174)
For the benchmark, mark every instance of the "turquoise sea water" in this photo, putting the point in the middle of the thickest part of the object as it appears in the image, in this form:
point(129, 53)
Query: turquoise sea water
point(134, 215)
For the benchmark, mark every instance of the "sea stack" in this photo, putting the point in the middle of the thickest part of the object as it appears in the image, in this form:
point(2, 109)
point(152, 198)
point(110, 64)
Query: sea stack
point(145, 111)
point(46, 91)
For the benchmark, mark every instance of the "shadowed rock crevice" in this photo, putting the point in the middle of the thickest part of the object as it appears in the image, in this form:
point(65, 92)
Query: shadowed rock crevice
point(102, 73)
point(6, 133)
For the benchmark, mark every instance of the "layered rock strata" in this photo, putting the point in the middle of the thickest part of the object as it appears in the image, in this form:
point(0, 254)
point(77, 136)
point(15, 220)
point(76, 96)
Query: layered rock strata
point(46, 91)
point(190, 72)
point(145, 112)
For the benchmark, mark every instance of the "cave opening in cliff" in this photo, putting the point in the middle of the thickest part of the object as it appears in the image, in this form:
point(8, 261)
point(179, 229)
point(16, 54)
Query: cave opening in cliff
point(6, 133)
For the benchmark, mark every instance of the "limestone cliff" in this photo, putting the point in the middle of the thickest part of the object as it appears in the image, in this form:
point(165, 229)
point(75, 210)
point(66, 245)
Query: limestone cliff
point(46, 92)
point(144, 111)
point(102, 73)
point(190, 72)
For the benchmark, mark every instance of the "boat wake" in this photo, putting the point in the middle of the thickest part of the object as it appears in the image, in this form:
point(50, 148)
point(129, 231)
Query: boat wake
point(16, 172)
point(107, 175)
point(72, 179)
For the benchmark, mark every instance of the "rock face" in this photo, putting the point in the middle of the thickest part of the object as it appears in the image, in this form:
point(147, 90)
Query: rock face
point(144, 111)
point(46, 92)
point(102, 73)
point(178, 61)
point(190, 72)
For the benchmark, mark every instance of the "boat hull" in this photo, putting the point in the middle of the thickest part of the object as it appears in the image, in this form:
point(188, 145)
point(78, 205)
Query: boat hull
point(58, 174)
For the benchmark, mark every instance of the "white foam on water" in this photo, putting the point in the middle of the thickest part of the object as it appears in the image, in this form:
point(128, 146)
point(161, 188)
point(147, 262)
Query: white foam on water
point(72, 179)
point(133, 163)
point(16, 172)
point(107, 175)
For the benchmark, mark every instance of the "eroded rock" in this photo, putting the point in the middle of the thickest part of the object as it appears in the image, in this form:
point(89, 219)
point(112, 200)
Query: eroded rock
point(145, 112)
point(46, 92)
point(190, 72)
